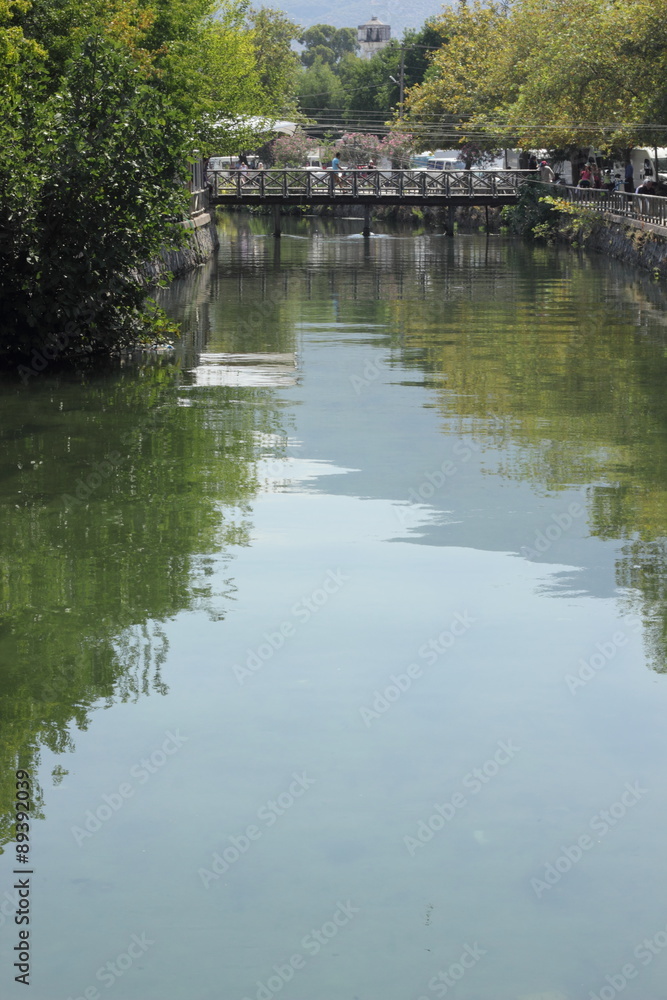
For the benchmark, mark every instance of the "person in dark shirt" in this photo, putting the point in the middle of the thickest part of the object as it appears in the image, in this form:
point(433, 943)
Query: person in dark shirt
point(629, 177)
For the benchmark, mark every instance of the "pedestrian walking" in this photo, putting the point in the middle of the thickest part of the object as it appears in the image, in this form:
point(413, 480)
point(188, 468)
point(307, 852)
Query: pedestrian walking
point(337, 170)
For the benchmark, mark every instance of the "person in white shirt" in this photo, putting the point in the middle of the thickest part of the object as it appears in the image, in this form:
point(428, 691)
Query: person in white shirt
point(546, 173)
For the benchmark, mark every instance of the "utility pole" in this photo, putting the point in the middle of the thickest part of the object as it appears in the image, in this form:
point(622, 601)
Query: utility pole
point(400, 83)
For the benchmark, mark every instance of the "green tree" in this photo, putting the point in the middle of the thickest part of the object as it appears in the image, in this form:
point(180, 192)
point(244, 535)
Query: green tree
point(104, 103)
point(371, 87)
point(468, 79)
point(323, 41)
point(561, 74)
point(278, 64)
point(103, 194)
point(320, 89)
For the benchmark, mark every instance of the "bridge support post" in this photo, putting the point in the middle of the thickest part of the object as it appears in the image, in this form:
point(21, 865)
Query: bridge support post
point(276, 221)
point(450, 219)
point(367, 221)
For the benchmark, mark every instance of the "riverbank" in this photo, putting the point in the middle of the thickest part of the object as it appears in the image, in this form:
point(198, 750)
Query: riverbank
point(639, 244)
point(202, 242)
point(542, 215)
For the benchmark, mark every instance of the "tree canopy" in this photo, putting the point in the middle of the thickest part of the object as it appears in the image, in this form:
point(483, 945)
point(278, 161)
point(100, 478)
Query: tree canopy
point(557, 74)
point(104, 103)
point(323, 41)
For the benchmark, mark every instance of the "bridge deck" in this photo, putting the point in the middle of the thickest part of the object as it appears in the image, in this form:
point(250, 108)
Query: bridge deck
point(367, 187)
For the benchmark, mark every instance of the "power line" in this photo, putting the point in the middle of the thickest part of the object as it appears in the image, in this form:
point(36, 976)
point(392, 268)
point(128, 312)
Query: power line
point(378, 120)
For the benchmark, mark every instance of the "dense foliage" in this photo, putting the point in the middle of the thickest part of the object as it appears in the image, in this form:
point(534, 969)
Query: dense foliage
point(104, 104)
point(554, 74)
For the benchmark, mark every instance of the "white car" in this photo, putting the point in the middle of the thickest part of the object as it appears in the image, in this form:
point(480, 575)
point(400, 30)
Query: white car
point(439, 164)
point(317, 170)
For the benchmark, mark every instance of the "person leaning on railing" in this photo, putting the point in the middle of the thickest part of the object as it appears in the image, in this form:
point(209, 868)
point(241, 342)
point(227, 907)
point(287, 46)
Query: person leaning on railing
point(647, 186)
point(641, 206)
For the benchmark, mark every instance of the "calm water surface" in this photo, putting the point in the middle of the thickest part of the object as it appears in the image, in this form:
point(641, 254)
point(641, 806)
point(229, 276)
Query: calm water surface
point(335, 641)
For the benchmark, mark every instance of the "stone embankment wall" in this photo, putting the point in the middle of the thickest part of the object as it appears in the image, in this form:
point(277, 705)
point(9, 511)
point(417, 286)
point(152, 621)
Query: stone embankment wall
point(640, 244)
point(201, 244)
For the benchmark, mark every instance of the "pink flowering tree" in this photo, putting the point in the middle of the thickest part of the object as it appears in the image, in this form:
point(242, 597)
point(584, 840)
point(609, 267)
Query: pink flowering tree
point(292, 150)
point(356, 148)
point(398, 147)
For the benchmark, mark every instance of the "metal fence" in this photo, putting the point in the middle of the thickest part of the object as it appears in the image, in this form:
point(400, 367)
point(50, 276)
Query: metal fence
point(644, 207)
point(251, 185)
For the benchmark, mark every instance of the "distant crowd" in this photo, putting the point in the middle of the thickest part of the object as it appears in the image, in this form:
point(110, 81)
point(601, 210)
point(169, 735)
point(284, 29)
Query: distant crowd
point(594, 176)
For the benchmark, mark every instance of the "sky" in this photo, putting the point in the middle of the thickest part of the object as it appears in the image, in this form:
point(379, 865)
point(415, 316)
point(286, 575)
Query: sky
point(400, 14)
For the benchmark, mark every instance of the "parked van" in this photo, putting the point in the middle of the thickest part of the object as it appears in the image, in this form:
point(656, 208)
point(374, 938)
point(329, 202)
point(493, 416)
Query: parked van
point(230, 162)
point(419, 161)
point(441, 164)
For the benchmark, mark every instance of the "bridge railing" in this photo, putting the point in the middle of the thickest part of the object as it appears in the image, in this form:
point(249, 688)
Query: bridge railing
point(644, 207)
point(362, 183)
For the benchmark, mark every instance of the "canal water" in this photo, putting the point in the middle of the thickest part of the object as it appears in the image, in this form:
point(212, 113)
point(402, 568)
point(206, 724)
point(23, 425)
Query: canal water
point(333, 640)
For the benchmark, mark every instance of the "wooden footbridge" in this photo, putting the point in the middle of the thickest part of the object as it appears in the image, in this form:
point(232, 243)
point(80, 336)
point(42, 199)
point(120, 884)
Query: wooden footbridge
point(368, 188)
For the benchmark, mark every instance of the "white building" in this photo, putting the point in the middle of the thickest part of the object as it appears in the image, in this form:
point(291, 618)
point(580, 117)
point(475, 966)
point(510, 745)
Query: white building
point(372, 37)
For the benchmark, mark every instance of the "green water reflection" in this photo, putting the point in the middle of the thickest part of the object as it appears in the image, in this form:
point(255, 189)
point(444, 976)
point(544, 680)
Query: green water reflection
point(119, 499)
point(419, 415)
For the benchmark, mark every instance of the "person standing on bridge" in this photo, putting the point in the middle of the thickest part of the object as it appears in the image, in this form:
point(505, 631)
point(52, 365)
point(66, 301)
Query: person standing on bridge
point(546, 173)
point(585, 177)
point(629, 177)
